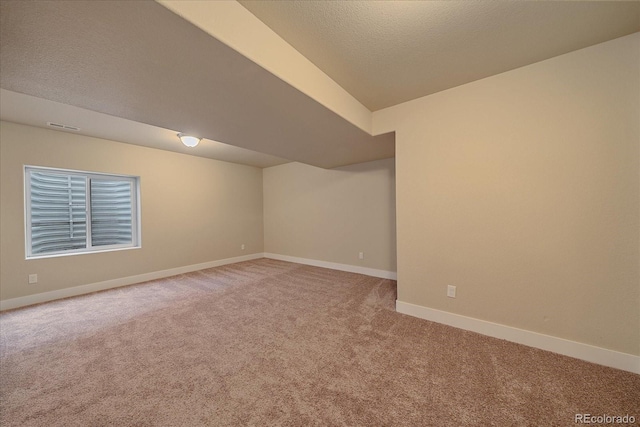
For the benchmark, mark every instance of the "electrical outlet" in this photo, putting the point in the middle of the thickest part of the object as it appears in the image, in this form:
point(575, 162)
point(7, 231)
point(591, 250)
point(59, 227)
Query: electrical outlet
point(242, 247)
point(361, 255)
point(33, 278)
point(451, 291)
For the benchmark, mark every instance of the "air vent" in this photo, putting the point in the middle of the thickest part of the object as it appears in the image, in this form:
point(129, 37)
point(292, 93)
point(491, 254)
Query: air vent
point(63, 127)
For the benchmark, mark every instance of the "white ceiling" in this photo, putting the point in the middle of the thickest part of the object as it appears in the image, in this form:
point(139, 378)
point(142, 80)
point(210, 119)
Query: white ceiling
point(29, 110)
point(136, 72)
point(137, 60)
point(388, 52)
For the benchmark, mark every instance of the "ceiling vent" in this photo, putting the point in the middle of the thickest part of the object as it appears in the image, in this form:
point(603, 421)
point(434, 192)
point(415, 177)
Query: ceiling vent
point(62, 127)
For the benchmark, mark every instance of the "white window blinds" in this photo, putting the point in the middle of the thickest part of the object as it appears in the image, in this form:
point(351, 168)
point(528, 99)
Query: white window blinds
point(75, 212)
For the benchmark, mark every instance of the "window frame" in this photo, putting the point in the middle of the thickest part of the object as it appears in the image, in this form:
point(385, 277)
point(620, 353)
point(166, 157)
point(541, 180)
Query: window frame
point(136, 235)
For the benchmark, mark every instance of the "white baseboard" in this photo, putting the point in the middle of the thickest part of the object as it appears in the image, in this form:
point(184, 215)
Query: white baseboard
point(599, 355)
point(383, 274)
point(124, 281)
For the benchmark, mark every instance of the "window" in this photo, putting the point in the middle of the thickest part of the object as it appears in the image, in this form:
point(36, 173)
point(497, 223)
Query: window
point(69, 212)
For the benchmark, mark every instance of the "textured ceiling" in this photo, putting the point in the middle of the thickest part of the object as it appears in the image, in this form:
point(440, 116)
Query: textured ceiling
point(157, 73)
point(388, 52)
point(139, 61)
point(29, 110)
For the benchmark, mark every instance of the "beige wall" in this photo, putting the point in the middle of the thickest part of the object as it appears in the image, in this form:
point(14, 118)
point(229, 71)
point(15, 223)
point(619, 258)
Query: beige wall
point(523, 190)
point(331, 215)
point(194, 210)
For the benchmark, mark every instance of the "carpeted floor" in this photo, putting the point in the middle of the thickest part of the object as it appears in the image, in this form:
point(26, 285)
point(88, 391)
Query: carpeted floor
point(267, 342)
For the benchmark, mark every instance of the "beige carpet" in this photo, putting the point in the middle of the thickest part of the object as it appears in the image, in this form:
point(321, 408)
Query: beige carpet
point(273, 343)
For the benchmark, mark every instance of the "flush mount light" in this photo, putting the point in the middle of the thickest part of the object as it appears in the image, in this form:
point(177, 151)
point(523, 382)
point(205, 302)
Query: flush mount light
point(188, 140)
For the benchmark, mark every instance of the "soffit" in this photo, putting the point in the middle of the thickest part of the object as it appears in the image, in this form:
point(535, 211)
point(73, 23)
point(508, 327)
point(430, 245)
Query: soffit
point(29, 110)
point(388, 52)
point(141, 62)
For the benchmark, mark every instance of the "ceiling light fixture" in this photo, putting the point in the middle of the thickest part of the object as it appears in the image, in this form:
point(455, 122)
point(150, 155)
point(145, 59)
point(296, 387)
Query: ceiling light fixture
point(188, 140)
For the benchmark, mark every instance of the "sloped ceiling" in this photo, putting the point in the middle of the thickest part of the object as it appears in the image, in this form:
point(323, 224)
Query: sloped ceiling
point(138, 61)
